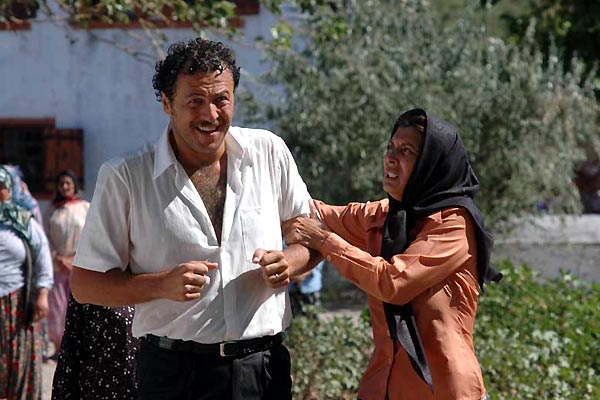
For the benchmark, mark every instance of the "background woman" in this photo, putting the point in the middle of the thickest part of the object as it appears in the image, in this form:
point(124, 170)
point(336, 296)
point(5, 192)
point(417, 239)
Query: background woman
point(25, 276)
point(96, 357)
point(21, 194)
point(422, 256)
point(63, 224)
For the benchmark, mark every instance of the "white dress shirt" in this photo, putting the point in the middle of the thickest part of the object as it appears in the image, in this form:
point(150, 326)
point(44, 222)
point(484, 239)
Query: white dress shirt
point(146, 212)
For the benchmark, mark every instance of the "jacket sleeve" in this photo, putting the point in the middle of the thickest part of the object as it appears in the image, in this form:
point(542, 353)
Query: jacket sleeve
point(350, 222)
point(445, 243)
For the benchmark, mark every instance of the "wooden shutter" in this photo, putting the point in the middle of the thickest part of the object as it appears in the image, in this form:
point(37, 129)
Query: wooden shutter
point(247, 7)
point(64, 150)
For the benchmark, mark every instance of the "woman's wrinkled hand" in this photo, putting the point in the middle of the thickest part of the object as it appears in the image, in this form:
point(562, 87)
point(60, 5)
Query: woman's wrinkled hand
point(308, 232)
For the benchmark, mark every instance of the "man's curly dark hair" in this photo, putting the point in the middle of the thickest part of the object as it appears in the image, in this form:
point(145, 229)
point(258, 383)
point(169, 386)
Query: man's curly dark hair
point(192, 57)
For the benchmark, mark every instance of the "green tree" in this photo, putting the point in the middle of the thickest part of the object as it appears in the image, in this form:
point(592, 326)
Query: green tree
point(571, 25)
point(357, 66)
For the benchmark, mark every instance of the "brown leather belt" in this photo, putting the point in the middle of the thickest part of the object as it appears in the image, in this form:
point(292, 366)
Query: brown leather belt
point(234, 348)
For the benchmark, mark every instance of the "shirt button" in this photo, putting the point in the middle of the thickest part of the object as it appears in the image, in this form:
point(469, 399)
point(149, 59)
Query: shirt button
point(329, 258)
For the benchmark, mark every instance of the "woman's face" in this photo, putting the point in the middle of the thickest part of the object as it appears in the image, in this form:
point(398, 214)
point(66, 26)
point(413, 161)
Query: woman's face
point(4, 193)
point(399, 161)
point(66, 186)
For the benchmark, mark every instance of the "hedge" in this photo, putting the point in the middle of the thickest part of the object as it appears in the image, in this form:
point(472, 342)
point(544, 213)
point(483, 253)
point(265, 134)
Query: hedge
point(535, 338)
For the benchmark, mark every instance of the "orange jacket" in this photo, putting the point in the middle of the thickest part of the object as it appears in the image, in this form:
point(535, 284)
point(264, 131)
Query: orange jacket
point(437, 273)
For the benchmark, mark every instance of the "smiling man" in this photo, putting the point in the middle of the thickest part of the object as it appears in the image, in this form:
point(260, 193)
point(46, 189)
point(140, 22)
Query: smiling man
point(189, 230)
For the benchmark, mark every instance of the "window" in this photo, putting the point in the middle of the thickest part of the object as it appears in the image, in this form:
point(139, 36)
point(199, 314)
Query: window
point(247, 7)
point(41, 150)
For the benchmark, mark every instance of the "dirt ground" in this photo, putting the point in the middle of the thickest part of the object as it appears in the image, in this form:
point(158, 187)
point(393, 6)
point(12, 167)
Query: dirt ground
point(47, 374)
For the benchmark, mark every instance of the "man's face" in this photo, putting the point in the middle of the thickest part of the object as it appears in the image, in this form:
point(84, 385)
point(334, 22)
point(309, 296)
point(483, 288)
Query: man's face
point(201, 111)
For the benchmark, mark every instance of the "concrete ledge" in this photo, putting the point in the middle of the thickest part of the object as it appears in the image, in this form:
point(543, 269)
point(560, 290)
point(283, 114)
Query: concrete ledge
point(552, 243)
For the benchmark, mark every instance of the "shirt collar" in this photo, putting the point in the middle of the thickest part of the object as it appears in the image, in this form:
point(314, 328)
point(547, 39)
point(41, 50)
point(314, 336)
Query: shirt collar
point(236, 145)
point(164, 155)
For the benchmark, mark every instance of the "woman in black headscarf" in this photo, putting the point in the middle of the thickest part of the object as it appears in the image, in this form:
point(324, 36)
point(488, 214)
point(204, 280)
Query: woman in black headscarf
point(422, 256)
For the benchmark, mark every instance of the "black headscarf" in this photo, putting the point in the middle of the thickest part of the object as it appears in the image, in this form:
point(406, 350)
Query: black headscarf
point(442, 178)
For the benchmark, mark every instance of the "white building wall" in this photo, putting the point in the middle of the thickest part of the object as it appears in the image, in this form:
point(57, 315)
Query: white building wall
point(96, 87)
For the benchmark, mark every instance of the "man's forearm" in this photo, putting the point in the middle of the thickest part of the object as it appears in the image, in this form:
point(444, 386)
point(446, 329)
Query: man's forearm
point(301, 259)
point(115, 287)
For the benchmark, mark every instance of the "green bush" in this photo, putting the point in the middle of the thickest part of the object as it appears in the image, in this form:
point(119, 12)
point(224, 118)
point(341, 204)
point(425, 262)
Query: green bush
point(535, 339)
point(538, 339)
point(329, 355)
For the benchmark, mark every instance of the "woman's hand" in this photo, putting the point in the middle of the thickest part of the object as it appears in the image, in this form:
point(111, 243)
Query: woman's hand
point(308, 232)
point(41, 305)
point(65, 263)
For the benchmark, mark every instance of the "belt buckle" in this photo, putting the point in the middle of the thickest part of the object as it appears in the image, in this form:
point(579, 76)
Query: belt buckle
point(223, 346)
point(165, 343)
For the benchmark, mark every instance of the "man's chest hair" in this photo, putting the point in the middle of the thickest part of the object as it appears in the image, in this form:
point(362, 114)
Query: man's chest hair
point(211, 187)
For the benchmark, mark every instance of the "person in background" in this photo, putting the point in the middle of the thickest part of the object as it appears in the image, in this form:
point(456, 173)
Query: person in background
point(422, 255)
point(305, 289)
point(63, 223)
point(189, 230)
point(587, 179)
point(21, 195)
point(96, 359)
point(25, 278)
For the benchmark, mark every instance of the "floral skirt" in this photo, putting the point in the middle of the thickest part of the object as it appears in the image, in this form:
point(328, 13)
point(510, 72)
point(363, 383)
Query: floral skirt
point(20, 352)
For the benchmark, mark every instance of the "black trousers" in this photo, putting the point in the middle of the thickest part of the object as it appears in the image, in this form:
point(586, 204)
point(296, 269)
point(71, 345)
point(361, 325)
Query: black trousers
point(166, 374)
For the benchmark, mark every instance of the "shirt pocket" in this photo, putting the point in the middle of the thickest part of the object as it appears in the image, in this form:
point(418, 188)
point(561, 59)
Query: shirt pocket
point(260, 229)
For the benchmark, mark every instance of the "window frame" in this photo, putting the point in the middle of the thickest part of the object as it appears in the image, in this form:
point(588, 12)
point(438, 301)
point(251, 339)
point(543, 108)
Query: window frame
point(60, 149)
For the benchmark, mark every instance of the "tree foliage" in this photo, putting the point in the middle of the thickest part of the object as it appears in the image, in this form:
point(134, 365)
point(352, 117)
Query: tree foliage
point(358, 66)
point(214, 14)
point(150, 16)
point(571, 25)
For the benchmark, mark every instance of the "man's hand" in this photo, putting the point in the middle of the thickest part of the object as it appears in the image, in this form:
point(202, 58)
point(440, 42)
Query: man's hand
point(186, 281)
point(274, 267)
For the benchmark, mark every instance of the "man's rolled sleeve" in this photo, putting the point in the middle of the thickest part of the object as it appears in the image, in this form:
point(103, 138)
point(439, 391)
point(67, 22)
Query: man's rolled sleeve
point(294, 197)
point(104, 242)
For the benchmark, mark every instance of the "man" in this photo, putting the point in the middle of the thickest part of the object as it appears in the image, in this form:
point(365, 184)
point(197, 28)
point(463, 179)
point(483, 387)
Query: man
point(188, 229)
